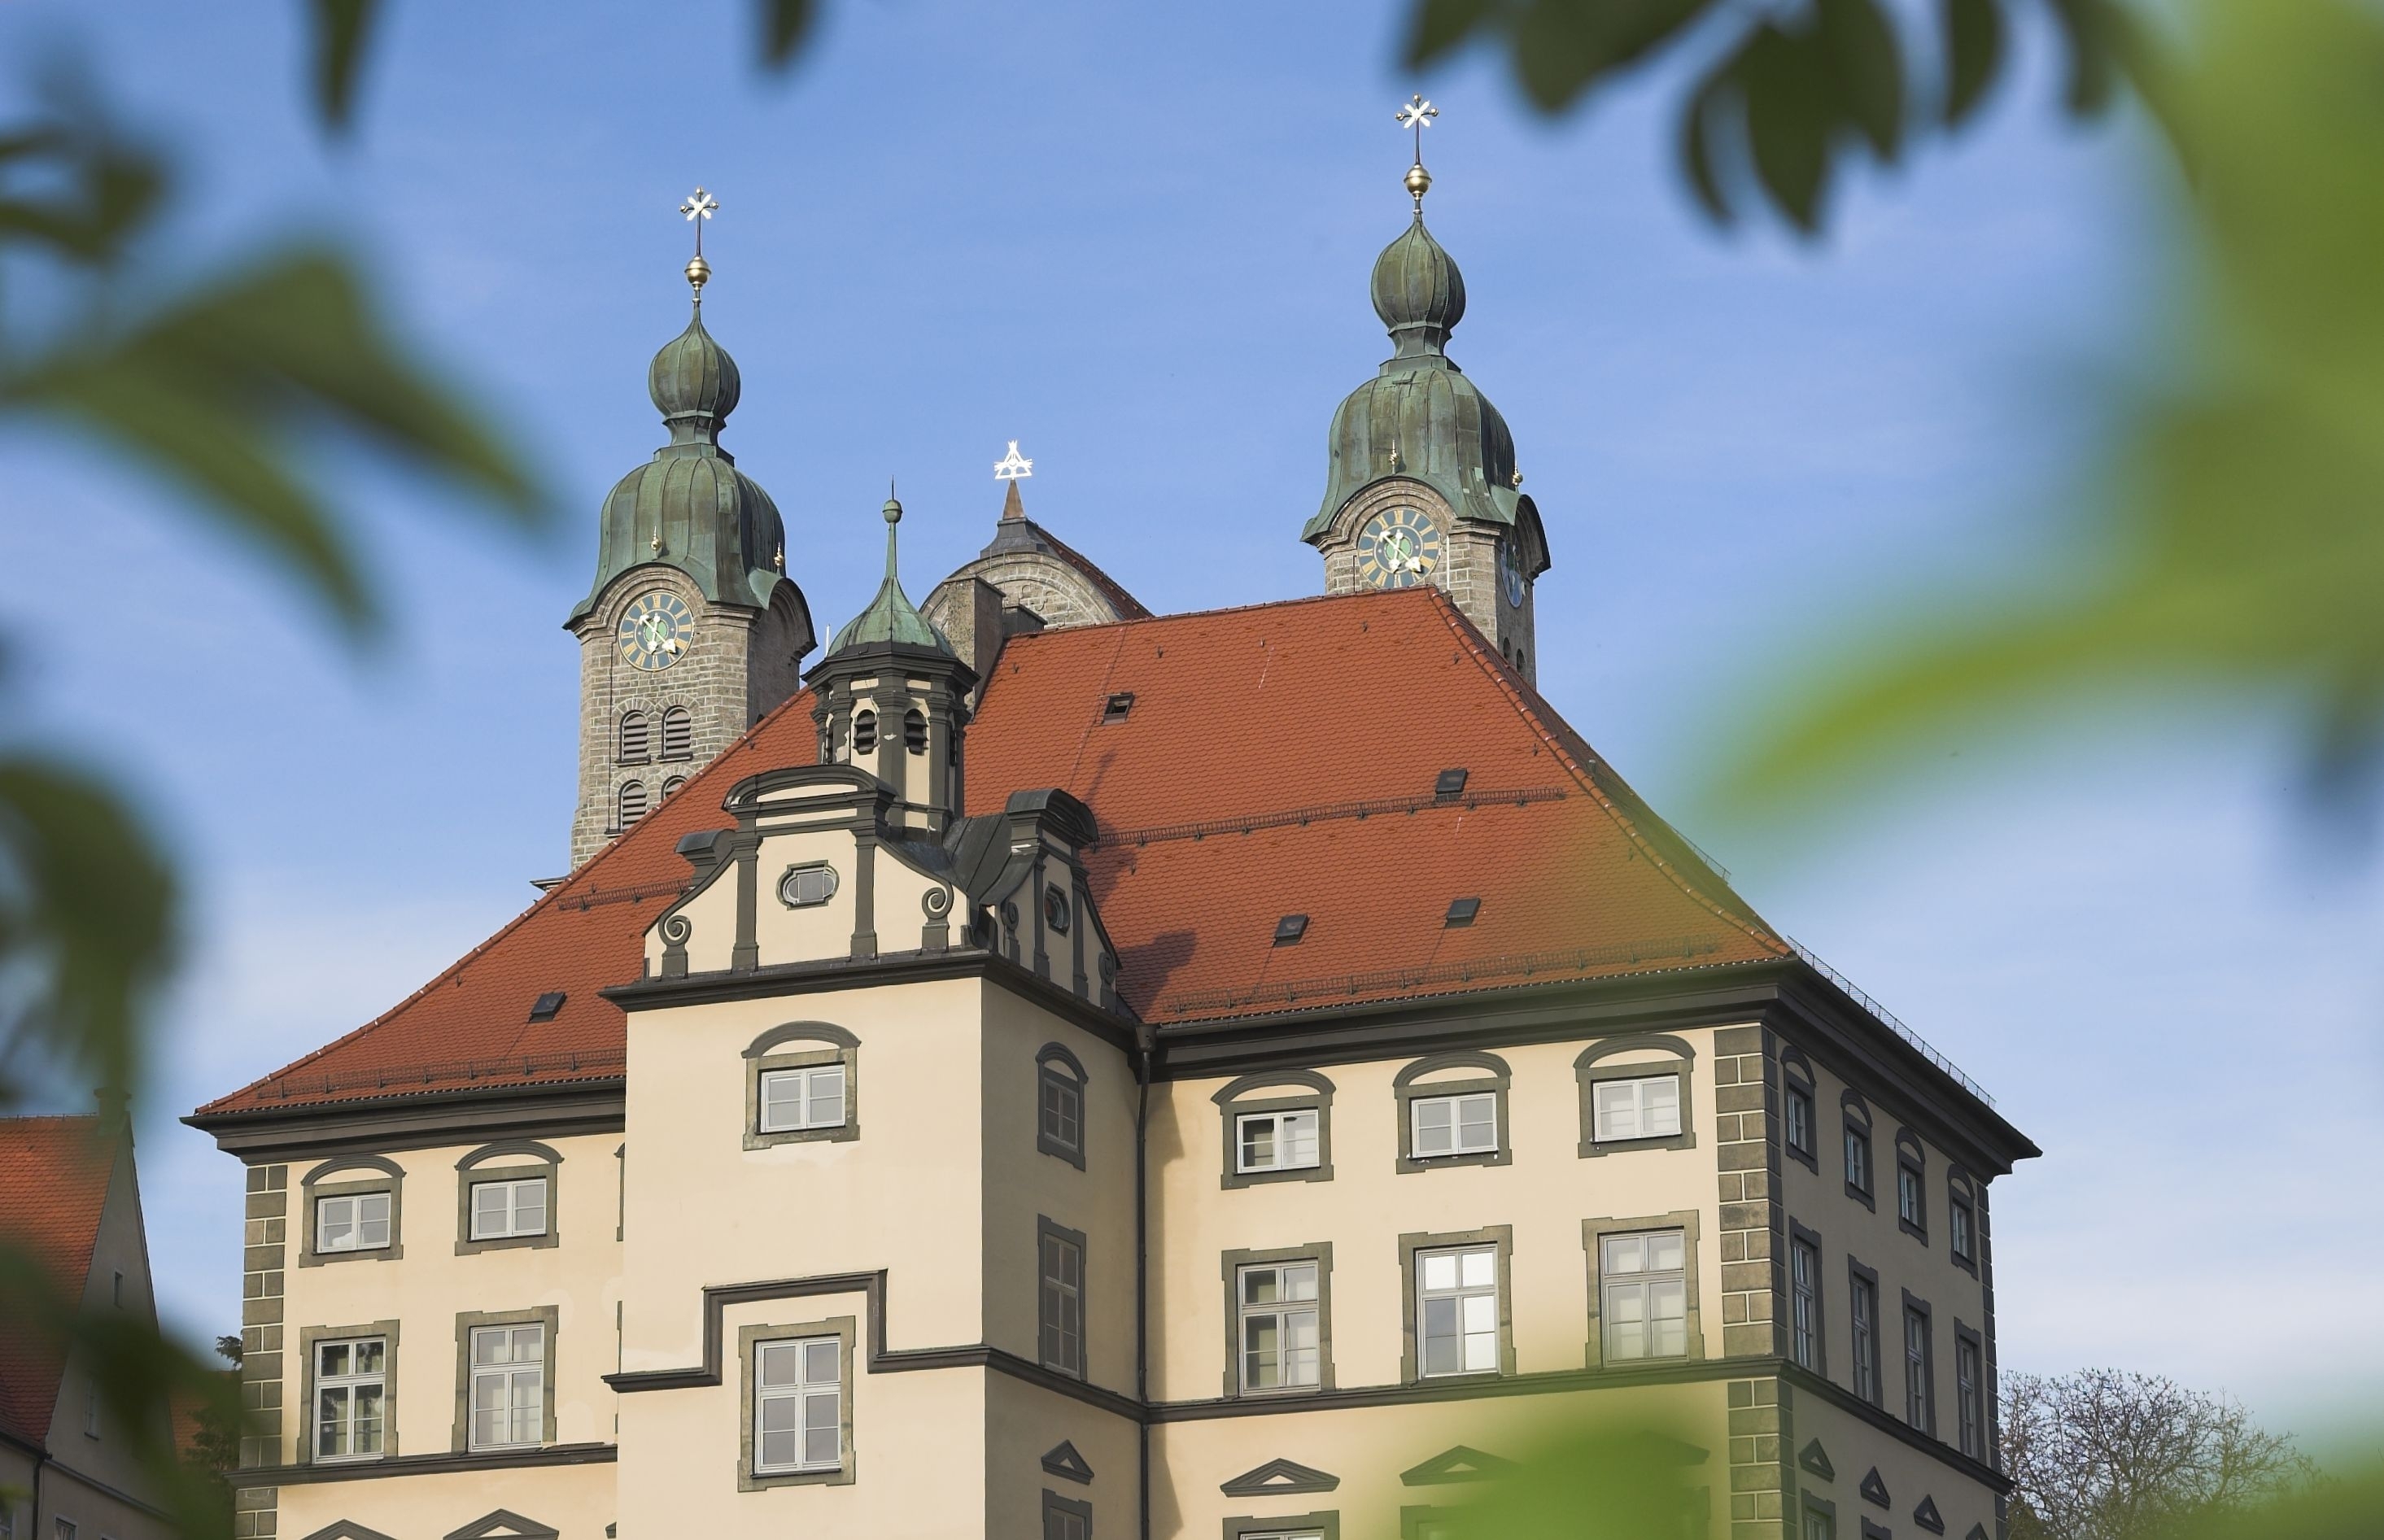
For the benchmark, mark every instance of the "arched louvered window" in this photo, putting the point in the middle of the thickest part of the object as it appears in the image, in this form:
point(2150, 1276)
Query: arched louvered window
point(635, 738)
point(670, 786)
point(632, 803)
point(678, 733)
point(865, 733)
point(915, 731)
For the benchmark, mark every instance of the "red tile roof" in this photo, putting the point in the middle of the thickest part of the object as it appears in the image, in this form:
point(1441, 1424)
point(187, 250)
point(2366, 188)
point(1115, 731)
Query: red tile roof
point(1318, 725)
point(54, 1176)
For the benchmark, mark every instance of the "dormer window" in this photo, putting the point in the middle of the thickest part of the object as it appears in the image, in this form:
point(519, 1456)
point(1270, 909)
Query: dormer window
point(865, 733)
point(1116, 707)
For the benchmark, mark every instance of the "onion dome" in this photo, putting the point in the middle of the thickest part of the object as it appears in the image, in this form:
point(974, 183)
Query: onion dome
point(1417, 290)
point(891, 617)
point(690, 506)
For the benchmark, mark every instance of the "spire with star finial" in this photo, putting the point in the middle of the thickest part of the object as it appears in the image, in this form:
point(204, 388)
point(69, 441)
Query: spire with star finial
point(1418, 115)
point(700, 205)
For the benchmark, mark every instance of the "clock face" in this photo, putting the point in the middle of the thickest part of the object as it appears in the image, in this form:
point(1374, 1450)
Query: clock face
point(1510, 570)
point(1398, 549)
point(657, 631)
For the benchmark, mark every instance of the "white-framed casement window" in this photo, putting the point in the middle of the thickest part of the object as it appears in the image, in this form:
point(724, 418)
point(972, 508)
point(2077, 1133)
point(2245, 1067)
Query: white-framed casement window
point(1960, 1225)
point(504, 1209)
point(1454, 1124)
point(1864, 1294)
point(1918, 1393)
point(350, 1398)
point(1457, 1309)
point(798, 1394)
point(1798, 1103)
point(1643, 1295)
point(1276, 1141)
point(508, 1386)
point(1648, 1107)
point(1970, 1380)
point(356, 1222)
point(1280, 1334)
point(1804, 1303)
point(811, 1097)
point(1062, 1307)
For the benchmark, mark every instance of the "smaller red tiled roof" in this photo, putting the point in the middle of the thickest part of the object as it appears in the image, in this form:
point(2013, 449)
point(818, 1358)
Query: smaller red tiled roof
point(54, 1178)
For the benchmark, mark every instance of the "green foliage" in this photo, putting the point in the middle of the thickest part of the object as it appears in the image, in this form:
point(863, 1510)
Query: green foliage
point(341, 28)
point(786, 27)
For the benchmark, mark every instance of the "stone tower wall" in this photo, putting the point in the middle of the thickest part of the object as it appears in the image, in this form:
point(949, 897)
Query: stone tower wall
point(1469, 571)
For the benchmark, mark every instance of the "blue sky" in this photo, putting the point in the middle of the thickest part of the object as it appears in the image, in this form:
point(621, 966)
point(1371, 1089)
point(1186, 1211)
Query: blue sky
point(1136, 239)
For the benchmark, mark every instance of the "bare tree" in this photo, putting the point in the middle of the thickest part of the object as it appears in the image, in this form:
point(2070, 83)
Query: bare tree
point(2102, 1455)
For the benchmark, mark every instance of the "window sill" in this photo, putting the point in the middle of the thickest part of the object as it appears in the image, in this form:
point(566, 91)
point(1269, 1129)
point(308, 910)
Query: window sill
point(508, 1243)
point(1470, 1158)
point(1623, 1147)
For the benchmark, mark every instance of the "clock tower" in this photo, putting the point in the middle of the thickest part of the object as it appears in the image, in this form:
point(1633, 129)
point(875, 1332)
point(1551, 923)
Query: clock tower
point(692, 630)
point(1423, 485)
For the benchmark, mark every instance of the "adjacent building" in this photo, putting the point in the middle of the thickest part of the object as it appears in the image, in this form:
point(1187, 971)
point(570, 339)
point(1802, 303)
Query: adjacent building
point(1050, 1069)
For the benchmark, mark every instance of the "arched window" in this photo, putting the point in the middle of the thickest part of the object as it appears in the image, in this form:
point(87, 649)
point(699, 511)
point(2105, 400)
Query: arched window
point(634, 738)
point(1059, 1104)
point(678, 733)
point(865, 733)
point(671, 786)
point(632, 803)
point(915, 731)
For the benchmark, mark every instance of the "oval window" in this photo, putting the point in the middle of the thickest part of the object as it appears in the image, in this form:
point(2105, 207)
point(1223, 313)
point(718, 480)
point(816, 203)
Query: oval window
point(1055, 909)
point(807, 886)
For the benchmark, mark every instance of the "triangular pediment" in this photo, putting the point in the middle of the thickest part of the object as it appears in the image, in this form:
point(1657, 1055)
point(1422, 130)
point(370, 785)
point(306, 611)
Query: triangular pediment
point(1977, 1532)
point(1279, 1475)
point(503, 1524)
point(1875, 1490)
point(1816, 1459)
point(1064, 1461)
point(1456, 1465)
point(1928, 1518)
point(346, 1529)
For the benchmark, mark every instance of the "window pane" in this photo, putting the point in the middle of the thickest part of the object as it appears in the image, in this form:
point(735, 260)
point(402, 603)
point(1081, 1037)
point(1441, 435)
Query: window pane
point(1299, 1281)
point(335, 1224)
point(819, 1431)
point(780, 1446)
point(819, 1363)
point(1663, 1105)
point(1260, 1285)
point(1299, 1140)
point(1626, 1253)
point(1258, 1143)
point(333, 1358)
point(1440, 1270)
point(1665, 1250)
point(782, 1364)
point(1432, 1132)
point(529, 1208)
point(1440, 1336)
point(1614, 1111)
point(828, 1096)
point(1481, 1313)
point(369, 1356)
point(1476, 1123)
point(1261, 1351)
point(368, 1424)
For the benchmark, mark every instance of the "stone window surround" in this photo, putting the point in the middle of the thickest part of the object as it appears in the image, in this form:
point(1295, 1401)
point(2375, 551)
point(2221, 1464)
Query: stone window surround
point(1593, 1235)
point(544, 1162)
point(839, 1047)
point(1961, 1193)
point(1231, 1264)
point(1317, 1096)
point(1409, 1084)
point(1857, 1113)
point(1501, 1238)
point(1054, 1061)
point(1912, 1156)
point(392, 1181)
point(1965, 1335)
point(1589, 1072)
point(1822, 1506)
point(1857, 1273)
point(1076, 1508)
point(1913, 1302)
point(1796, 1073)
point(1820, 1364)
point(1325, 1524)
point(547, 1315)
point(308, 1337)
point(1045, 1226)
point(750, 1338)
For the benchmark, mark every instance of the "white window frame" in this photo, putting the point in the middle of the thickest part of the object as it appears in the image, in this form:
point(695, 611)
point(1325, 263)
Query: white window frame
point(1862, 1306)
point(1804, 1303)
point(508, 1375)
point(1469, 1297)
point(804, 1077)
point(1059, 1107)
point(1288, 1311)
point(1800, 1110)
point(1919, 1370)
point(513, 1224)
point(1455, 1107)
point(1620, 1287)
point(807, 1391)
point(350, 1382)
point(1286, 1140)
point(1060, 1301)
point(1962, 1230)
point(355, 1204)
point(1969, 1377)
point(1606, 1117)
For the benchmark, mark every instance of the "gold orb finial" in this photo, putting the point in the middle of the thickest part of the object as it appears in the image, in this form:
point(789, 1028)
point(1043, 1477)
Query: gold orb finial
point(1417, 114)
point(700, 206)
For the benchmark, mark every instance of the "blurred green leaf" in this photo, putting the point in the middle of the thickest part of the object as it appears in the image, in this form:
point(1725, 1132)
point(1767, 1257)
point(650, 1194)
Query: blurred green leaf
point(341, 31)
point(786, 27)
point(1974, 43)
point(73, 186)
point(87, 908)
point(221, 389)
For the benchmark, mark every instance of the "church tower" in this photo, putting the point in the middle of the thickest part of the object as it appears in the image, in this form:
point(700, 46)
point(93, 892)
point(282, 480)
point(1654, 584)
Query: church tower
point(692, 630)
point(1423, 485)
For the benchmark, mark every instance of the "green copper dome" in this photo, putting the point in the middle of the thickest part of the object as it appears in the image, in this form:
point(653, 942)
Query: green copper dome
point(690, 506)
point(1420, 417)
point(891, 617)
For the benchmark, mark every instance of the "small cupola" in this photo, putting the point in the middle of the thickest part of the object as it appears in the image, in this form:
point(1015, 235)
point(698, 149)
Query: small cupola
point(891, 697)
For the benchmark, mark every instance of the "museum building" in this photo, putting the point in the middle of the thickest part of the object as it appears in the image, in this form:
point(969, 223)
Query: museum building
point(1046, 1069)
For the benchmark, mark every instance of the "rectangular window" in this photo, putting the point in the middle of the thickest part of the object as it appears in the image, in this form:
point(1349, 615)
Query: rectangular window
point(1804, 1303)
point(809, 1098)
point(1063, 1109)
point(798, 1393)
point(356, 1222)
point(1281, 1346)
point(1454, 1124)
point(508, 1386)
point(1647, 1109)
point(1064, 1303)
point(1064, 1519)
point(1916, 1396)
point(1276, 1141)
point(1969, 1385)
point(1800, 1125)
point(1457, 1309)
point(501, 1209)
point(90, 1406)
point(351, 1390)
point(1910, 1205)
point(1819, 1525)
point(1958, 1223)
point(1858, 1159)
point(64, 1529)
point(1644, 1295)
point(1866, 1338)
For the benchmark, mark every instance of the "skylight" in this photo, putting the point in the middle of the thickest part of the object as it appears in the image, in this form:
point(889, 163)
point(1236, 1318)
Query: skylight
point(1289, 929)
point(544, 1008)
point(1461, 912)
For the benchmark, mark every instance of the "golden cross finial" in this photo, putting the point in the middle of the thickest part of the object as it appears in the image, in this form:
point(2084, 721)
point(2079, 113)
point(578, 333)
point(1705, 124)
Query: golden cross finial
point(700, 206)
point(1418, 114)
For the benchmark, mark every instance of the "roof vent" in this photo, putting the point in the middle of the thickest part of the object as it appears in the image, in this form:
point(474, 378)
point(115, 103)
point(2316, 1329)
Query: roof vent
point(1449, 785)
point(1289, 929)
point(544, 1008)
point(1115, 708)
point(1461, 911)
